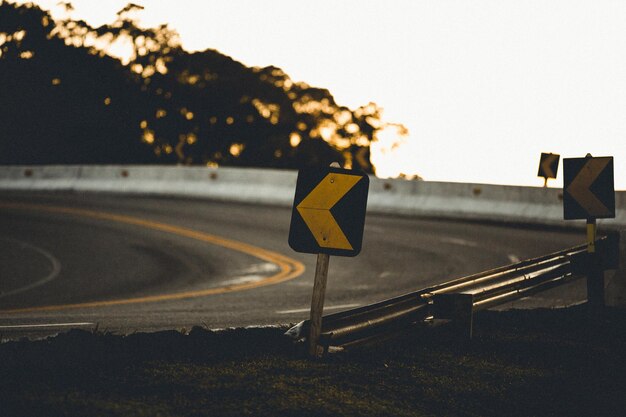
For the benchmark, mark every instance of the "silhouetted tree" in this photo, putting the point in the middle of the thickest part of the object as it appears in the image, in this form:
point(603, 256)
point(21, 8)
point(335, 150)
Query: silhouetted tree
point(63, 104)
point(67, 101)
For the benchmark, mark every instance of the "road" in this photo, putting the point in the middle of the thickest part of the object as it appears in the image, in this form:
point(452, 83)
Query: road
point(126, 264)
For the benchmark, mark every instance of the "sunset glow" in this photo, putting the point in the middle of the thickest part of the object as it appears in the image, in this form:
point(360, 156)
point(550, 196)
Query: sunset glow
point(483, 87)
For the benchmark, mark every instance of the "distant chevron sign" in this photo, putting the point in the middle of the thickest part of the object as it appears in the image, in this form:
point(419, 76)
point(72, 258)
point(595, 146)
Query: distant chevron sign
point(548, 165)
point(328, 213)
point(588, 188)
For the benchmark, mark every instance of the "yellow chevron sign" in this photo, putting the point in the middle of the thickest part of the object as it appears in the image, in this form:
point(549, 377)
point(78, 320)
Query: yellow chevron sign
point(315, 210)
point(588, 186)
point(329, 212)
point(548, 165)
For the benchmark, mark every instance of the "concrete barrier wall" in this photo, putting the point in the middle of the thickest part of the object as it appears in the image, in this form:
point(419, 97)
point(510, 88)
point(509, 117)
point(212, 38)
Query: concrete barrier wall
point(511, 204)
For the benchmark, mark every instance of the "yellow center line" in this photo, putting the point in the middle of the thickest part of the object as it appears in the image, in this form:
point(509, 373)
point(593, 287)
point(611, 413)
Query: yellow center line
point(289, 268)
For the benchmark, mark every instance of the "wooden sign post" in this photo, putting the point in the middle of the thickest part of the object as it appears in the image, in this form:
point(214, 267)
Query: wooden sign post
point(317, 303)
point(328, 218)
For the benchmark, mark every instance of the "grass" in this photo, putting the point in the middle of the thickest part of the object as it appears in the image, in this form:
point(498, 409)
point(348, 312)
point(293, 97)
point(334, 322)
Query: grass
point(519, 363)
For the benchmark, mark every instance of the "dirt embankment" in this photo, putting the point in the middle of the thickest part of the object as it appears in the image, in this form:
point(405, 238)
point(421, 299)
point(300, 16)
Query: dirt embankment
point(520, 363)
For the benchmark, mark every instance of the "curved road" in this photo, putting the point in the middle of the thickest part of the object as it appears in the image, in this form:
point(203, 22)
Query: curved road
point(129, 264)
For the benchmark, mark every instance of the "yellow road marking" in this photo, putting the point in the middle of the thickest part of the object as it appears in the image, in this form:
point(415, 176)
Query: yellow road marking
point(289, 268)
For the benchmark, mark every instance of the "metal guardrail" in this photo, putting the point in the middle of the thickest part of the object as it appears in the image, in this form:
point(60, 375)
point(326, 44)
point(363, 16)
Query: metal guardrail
point(487, 289)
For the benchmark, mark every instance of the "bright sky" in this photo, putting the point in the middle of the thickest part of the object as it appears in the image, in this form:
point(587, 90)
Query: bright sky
point(483, 86)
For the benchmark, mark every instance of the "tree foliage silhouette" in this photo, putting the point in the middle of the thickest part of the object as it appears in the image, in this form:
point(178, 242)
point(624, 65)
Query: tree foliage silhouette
point(66, 101)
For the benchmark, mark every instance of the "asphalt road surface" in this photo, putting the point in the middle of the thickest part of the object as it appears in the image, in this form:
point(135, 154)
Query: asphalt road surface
point(125, 264)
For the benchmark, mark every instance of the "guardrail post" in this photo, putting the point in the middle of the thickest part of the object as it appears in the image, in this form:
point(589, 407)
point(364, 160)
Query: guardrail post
point(595, 272)
point(595, 285)
point(459, 309)
point(616, 284)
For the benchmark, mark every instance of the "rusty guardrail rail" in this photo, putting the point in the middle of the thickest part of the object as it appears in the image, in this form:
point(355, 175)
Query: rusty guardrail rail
point(483, 290)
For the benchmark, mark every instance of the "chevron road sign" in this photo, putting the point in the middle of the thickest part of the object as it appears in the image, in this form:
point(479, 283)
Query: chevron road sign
point(328, 212)
point(588, 190)
point(548, 165)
